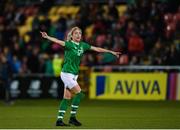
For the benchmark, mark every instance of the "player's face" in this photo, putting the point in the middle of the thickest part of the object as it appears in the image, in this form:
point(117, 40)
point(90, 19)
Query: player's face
point(76, 35)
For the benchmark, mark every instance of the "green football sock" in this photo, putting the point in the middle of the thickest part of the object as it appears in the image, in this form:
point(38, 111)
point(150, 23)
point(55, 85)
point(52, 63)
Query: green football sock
point(62, 109)
point(75, 103)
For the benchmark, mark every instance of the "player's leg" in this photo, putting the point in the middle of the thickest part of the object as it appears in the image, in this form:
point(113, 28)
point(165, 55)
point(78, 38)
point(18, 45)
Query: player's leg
point(75, 104)
point(63, 107)
point(71, 82)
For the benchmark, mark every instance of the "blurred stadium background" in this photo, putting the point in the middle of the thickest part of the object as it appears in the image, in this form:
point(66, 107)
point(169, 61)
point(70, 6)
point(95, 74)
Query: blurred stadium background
point(141, 89)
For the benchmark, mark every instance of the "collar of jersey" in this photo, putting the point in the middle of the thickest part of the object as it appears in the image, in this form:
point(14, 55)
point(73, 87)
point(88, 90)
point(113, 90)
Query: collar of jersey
point(77, 43)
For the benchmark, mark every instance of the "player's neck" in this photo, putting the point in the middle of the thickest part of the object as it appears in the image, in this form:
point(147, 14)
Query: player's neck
point(77, 43)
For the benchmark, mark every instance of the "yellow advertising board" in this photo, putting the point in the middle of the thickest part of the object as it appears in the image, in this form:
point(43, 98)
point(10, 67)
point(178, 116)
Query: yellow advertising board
point(131, 86)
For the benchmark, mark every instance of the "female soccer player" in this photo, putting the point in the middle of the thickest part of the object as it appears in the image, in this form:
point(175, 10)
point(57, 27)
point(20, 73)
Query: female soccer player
point(74, 50)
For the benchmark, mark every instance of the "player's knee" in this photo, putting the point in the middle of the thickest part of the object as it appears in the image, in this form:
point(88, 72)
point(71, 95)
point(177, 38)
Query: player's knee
point(76, 89)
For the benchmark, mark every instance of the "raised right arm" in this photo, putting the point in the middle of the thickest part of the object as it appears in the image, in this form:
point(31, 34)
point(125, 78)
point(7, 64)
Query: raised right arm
point(60, 42)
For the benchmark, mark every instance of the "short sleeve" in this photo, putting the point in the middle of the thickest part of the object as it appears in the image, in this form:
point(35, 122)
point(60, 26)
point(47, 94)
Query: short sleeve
point(67, 45)
point(86, 46)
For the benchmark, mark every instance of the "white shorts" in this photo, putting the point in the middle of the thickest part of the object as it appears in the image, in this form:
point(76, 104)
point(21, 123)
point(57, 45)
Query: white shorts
point(69, 80)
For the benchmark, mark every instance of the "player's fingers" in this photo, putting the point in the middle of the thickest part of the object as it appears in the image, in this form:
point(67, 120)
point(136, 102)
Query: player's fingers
point(42, 34)
point(118, 53)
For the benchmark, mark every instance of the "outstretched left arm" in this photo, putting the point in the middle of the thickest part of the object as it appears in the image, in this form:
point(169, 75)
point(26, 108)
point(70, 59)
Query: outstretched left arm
point(98, 49)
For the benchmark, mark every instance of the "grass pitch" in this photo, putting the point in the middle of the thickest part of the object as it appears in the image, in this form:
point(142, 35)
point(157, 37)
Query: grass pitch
point(104, 114)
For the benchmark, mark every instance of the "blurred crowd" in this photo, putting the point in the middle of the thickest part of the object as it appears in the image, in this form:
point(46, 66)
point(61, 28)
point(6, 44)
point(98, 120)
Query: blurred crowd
point(147, 33)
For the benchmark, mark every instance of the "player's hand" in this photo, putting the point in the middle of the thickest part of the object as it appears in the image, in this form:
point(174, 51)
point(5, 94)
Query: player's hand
point(117, 54)
point(44, 34)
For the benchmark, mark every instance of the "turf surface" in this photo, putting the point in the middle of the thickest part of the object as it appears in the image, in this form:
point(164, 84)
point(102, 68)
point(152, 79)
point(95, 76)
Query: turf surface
point(42, 113)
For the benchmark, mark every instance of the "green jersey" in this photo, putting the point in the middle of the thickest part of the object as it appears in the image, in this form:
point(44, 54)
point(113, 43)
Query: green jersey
point(73, 55)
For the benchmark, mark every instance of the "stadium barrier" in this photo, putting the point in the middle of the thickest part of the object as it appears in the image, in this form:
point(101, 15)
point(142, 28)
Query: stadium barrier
point(136, 83)
point(122, 83)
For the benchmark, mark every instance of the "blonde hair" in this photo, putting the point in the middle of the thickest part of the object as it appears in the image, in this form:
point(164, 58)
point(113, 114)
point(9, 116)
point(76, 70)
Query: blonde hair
point(69, 35)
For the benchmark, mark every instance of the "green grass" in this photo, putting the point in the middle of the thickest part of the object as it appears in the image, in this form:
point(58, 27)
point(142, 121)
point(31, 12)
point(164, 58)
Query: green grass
point(93, 114)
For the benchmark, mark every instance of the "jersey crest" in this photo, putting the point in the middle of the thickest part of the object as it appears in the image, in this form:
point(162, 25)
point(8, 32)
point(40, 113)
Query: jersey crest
point(80, 51)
